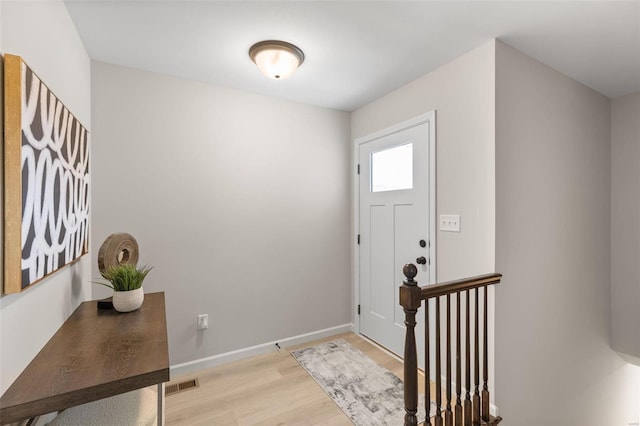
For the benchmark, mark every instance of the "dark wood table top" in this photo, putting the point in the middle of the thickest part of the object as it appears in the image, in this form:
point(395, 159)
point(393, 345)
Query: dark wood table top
point(94, 355)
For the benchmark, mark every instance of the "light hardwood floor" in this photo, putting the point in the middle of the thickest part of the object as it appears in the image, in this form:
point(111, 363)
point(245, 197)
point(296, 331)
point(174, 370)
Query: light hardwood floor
point(270, 389)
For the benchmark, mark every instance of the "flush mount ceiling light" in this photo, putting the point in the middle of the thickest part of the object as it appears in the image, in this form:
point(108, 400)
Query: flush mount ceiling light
point(276, 59)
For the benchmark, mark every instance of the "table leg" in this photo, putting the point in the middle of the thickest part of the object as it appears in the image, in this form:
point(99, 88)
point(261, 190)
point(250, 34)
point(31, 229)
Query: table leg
point(160, 404)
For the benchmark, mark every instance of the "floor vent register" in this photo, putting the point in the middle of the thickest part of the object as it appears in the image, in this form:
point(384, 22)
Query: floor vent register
point(175, 388)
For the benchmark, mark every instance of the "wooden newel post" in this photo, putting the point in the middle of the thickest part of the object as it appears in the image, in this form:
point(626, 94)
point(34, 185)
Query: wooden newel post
point(410, 300)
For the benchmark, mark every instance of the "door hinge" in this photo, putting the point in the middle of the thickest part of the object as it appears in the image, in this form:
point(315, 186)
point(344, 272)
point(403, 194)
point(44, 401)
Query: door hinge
point(429, 261)
point(358, 239)
point(358, 309)
point(358, 168)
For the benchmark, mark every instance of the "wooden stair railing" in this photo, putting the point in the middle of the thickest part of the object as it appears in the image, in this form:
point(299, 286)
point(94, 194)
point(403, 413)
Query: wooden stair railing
point(474, 409)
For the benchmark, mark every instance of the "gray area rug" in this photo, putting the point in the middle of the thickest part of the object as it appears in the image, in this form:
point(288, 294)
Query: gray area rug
point(365, 391)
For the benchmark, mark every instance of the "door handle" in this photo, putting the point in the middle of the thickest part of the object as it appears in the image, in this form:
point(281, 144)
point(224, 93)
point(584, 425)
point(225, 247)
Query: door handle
point(421, 260)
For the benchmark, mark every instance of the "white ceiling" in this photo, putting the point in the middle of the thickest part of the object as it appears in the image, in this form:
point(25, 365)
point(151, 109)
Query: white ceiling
point(358, 51)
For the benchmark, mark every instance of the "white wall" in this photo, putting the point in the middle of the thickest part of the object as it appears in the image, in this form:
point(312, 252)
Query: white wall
point(625, 224)
point(552, 245)
point(462, 93)
point(43, 34)
point(240, 201)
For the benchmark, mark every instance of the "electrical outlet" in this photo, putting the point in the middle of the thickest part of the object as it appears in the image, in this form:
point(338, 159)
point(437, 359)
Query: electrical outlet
point(203, 321)
point(450, 222)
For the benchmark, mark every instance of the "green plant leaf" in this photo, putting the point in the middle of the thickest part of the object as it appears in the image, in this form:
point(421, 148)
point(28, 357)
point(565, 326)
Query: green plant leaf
point(125, 277)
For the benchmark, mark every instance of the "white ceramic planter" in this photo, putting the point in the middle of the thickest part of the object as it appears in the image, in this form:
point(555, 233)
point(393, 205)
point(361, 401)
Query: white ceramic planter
point(127, 301)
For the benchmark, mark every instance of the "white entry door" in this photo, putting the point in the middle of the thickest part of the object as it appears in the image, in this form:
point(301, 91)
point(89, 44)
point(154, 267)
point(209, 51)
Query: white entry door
point(394, 222)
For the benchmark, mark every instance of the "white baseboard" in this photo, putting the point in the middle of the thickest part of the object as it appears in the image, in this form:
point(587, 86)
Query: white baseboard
point(493, 410)
point(212, 361)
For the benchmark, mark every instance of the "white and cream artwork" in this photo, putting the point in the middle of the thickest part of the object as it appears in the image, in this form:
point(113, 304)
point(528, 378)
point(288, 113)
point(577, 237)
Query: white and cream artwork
point(54, 179)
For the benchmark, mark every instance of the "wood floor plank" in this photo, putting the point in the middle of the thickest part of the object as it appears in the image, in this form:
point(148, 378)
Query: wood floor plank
point(267, 390)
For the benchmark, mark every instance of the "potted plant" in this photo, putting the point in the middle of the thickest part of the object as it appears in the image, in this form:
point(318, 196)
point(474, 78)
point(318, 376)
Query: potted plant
point(126, 282)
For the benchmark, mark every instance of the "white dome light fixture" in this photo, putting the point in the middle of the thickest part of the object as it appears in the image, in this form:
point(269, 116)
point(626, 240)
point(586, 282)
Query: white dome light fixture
point(276, 59)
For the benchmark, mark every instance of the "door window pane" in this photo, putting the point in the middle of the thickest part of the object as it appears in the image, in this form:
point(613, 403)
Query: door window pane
point(392, 169)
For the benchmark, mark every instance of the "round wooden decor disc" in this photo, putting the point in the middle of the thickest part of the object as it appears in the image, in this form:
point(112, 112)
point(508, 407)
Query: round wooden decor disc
point(118, 249)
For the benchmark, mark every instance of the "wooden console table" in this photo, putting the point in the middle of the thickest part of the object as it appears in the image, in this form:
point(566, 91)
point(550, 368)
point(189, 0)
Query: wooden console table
point(95, 354)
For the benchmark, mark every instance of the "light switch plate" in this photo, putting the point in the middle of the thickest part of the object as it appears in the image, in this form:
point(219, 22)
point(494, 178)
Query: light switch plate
point(450, 222)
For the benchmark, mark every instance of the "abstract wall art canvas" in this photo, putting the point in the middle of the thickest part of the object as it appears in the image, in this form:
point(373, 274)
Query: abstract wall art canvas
point(46, 180)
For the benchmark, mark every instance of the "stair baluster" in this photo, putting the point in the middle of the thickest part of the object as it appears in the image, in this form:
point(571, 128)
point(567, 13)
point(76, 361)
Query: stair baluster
point(448, 417)
point(485, 387)
point(427, 366)
point(458, 410)
point(474, 410)
point(438, 418)
point(467, 399)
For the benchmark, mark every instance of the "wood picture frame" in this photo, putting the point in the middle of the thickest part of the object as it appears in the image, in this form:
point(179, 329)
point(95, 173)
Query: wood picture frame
point(46, 180)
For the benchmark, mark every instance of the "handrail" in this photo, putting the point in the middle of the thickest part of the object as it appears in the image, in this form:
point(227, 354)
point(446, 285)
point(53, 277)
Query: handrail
point(456, 286)
point(472, 411)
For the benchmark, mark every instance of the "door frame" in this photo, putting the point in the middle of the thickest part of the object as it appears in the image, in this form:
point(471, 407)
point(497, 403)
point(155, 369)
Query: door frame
point(430, 118)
